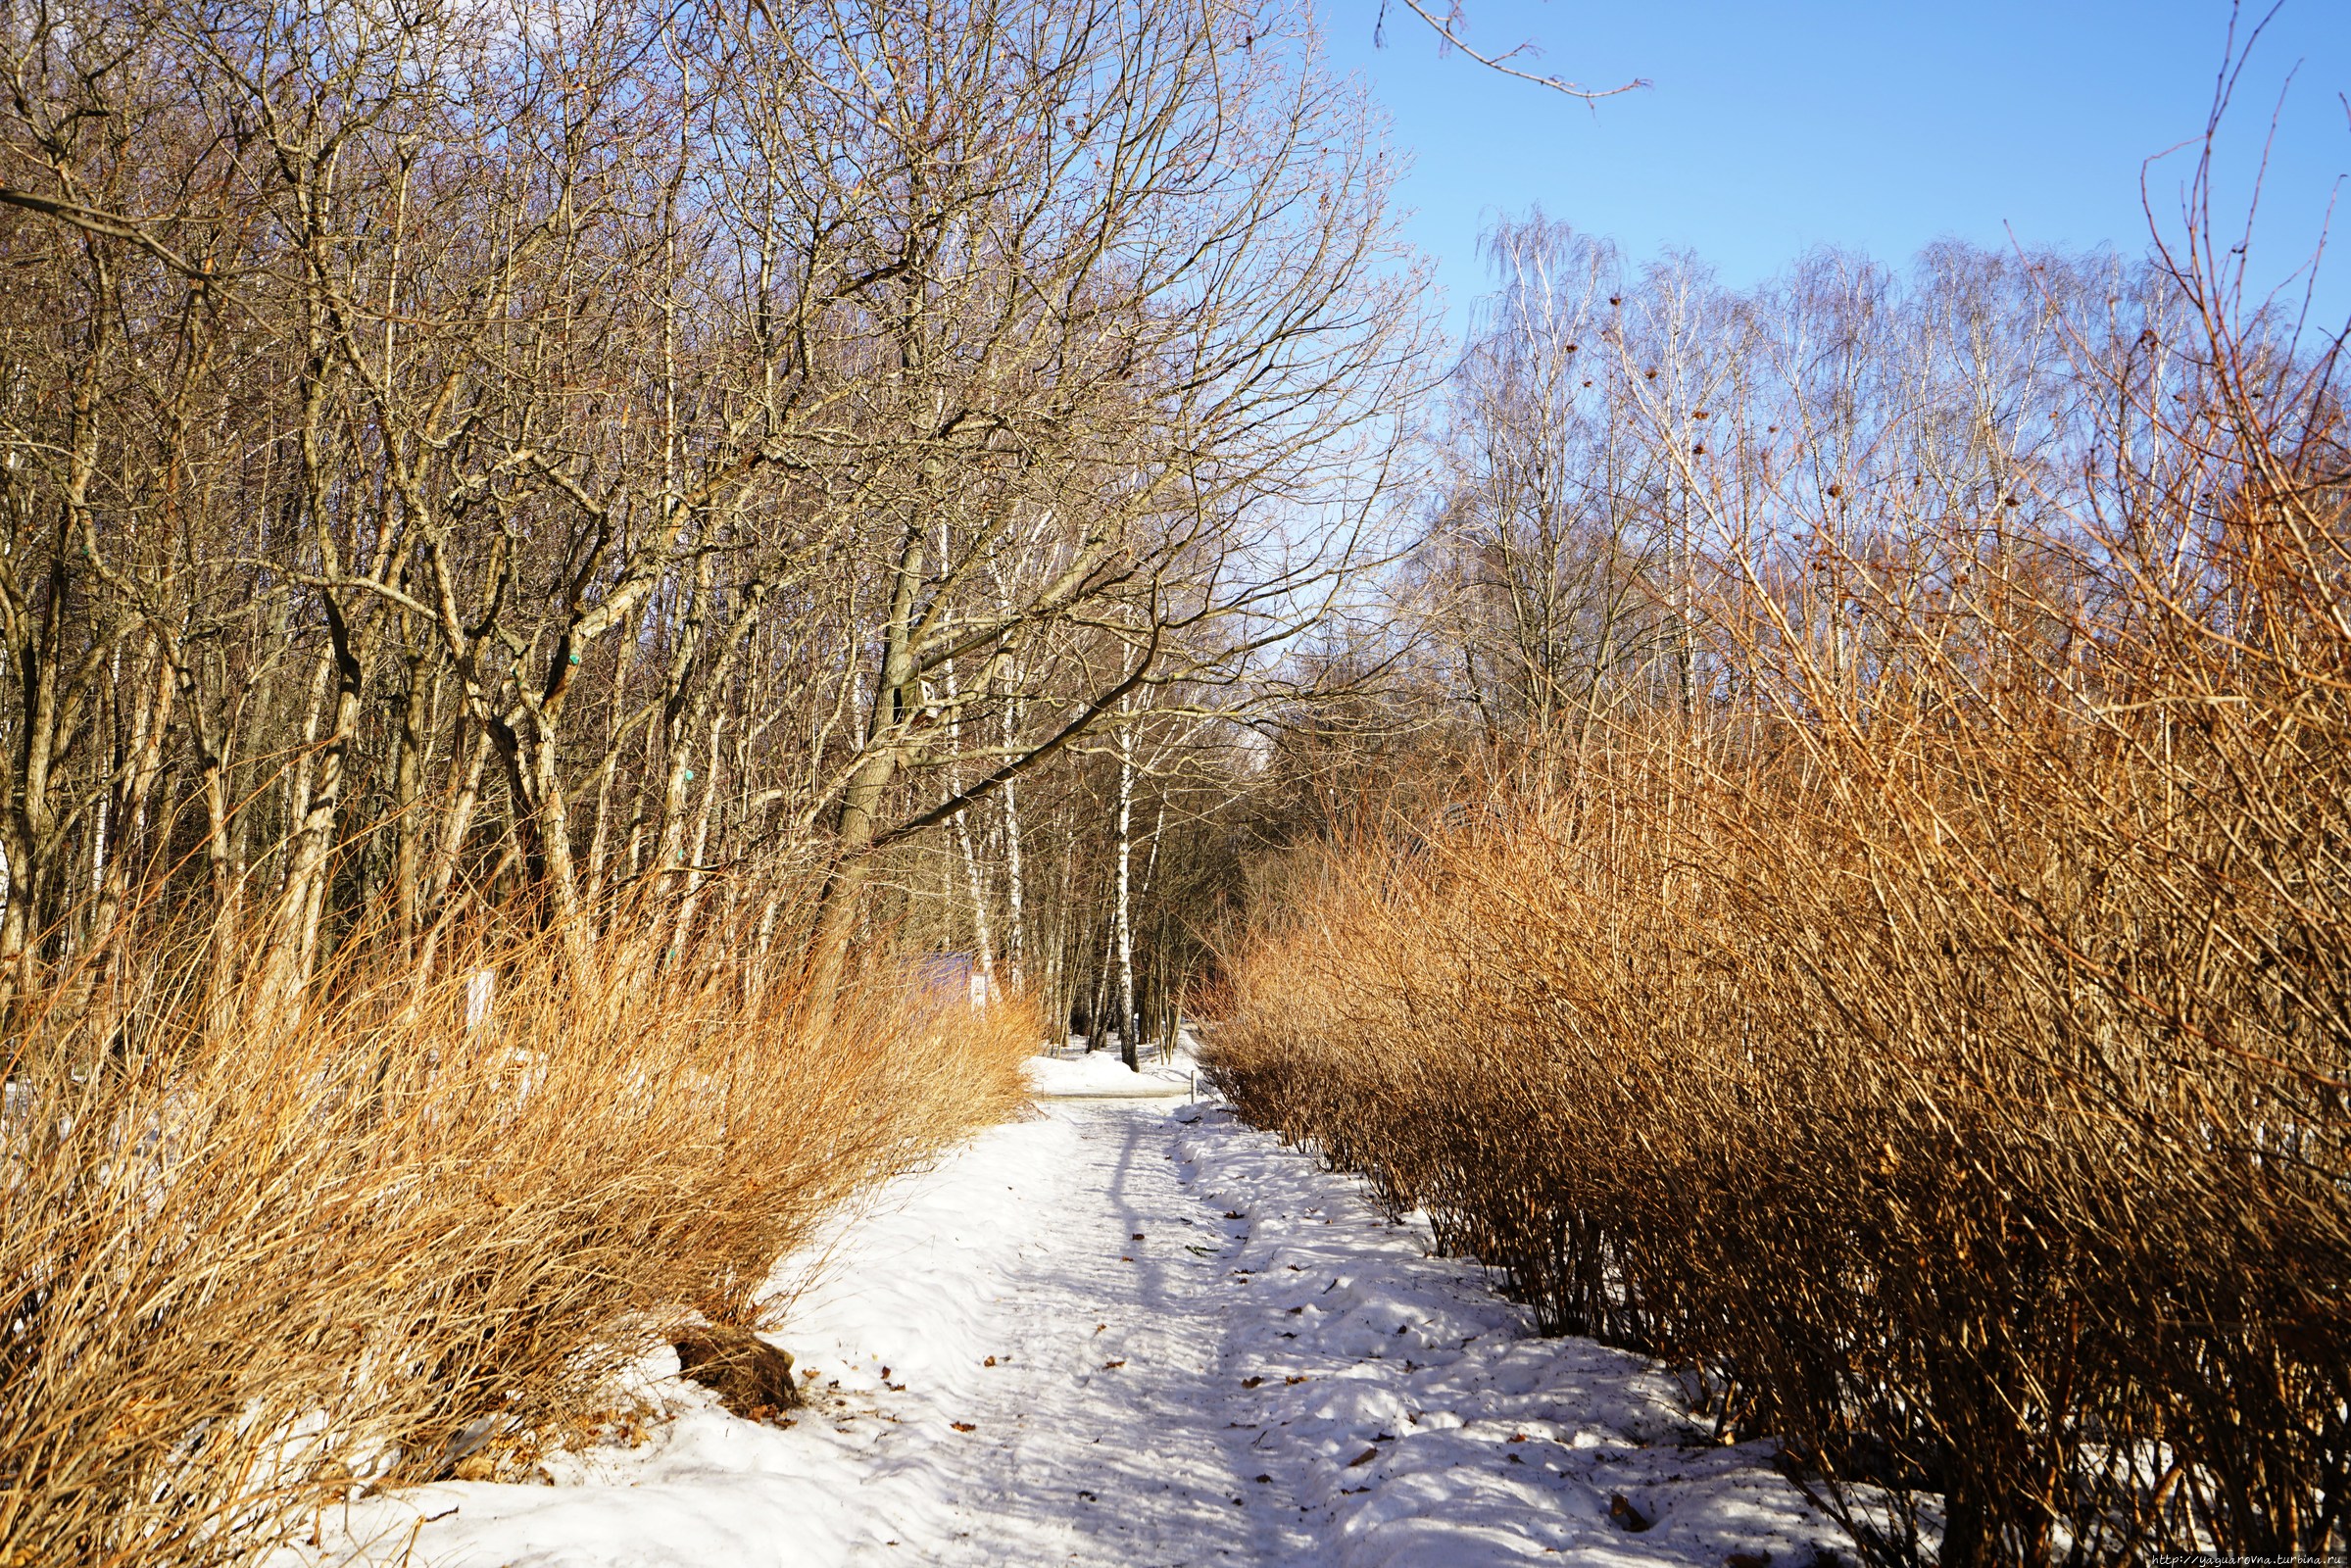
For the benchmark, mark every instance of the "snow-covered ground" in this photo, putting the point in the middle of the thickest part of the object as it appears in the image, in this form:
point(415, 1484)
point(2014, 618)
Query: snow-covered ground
point(1076, 1073)
point(1136, 1332)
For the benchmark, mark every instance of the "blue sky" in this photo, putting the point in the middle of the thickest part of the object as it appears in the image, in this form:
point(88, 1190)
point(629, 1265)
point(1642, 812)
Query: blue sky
point(1771, 129)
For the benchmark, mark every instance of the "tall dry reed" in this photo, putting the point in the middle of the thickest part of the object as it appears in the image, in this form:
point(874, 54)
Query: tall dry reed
point(1936, 1037)
point(246, 1265)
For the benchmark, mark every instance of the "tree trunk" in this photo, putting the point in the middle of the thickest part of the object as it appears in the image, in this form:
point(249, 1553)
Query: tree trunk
point(861, 797)
point(293, 946)
point(1016, 883)
point(1124, 914)
point(142, 768)
point(982, 934)
point(405, 776)
point(694, 875)
point(837, 904)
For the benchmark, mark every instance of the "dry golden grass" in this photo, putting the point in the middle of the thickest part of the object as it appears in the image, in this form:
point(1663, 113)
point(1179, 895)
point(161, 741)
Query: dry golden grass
point(1907, 1184)
point(244, 1267)
point(1937, 1041)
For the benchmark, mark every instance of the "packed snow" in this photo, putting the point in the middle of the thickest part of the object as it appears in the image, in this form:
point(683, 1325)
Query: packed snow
point(1134, 1330)
point(1077, 1073)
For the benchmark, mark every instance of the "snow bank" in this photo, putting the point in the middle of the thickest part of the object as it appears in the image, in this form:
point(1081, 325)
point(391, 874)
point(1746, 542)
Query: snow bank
point(1421, 1417)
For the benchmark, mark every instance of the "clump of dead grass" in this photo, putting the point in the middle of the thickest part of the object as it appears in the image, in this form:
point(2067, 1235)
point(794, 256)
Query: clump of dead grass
point(362, 1236)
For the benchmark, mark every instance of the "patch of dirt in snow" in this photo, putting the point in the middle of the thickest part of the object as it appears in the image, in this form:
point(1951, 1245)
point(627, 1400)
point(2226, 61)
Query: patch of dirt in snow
point(1124, 1335)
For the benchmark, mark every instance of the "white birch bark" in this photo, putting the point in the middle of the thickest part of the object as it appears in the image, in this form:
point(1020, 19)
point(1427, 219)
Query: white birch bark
point(1126, 928)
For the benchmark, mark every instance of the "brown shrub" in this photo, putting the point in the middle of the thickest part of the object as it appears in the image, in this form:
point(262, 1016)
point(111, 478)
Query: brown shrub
point(246, 1265)
point(1937, 1042)
point(1903, 1185)
point(751, 1377)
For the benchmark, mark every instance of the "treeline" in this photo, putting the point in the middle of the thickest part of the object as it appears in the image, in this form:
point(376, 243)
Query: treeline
point(530, 456)
point(1863, 915)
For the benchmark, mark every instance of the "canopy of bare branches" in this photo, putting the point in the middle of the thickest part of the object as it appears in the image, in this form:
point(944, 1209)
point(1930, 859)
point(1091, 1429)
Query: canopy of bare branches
point(534, 452)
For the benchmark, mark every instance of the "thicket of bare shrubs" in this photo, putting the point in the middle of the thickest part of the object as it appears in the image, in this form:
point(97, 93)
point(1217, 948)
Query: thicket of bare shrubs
point(1910, 992)
point(249, 1266)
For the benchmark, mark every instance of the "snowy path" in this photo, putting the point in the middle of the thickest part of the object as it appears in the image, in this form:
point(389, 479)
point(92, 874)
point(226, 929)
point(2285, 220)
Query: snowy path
point(1206, 1350)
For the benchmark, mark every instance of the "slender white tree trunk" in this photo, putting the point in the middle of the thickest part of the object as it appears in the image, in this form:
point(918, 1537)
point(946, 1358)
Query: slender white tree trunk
point(982, 933)
point(1123, 916)
point(1017, 945)
point(1015, 884)
point(695, 872)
